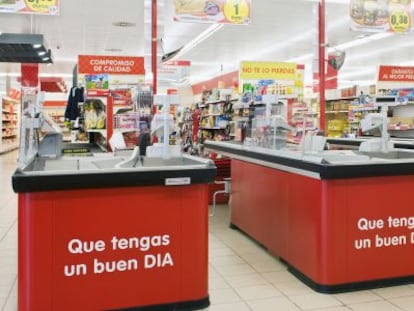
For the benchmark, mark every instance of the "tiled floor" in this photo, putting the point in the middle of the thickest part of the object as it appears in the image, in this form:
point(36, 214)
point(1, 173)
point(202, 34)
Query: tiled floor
point(243, 276)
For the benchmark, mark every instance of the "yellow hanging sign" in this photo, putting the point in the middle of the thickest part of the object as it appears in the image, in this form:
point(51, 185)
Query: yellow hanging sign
point(268, 70)
point(214, 11)
point(42, 6)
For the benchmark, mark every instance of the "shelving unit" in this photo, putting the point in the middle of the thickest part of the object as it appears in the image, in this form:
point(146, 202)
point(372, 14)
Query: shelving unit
point(337, 116)
point(215, 116)
point(240, 121)
point(401, 121)
point(9, 137)
point(305, 119)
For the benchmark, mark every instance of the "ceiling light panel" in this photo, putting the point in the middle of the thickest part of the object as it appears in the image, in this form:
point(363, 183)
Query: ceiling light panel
point(23, 48)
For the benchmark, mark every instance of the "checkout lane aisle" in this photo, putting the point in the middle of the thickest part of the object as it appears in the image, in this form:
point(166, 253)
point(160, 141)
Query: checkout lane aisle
point(242, 275)
point(8, 234)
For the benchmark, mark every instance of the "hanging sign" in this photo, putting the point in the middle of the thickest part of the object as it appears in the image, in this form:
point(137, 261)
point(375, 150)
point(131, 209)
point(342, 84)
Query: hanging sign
point(381, 15)
point(268, 70)
point(119, 65)
point(396, 81)
point(215, 11)
point(174, 71)
point(396, 74)
point(45, 7)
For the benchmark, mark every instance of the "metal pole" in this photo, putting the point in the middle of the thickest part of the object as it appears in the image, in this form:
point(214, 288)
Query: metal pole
point(154, 20)
point(322, 75)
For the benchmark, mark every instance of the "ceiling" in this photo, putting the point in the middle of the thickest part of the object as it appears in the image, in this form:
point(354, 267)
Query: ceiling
point(281, 30)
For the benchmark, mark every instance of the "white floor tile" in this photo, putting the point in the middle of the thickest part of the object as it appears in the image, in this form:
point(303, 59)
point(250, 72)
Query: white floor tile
point(375, 306)
point(240, 306)
point(405, 303)
point(258, 292)
point(223, 296)
point(333, 309)
point(293, 288)
point(226, 260)
point(358, 297)
point(273, 304)
point(394, 292)
point(279, 277)
point(11, 304)
point(235, 270)
point(269, 265)
point(217, 283)
point(315, 301)
point(245, 280)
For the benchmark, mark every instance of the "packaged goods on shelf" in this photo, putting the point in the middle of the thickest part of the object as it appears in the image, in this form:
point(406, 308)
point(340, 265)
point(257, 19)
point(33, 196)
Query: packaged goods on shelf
point(9, 135)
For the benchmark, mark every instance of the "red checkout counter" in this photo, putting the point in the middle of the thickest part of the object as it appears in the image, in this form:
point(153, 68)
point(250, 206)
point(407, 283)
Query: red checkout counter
point(98, 238)
point(339, 225)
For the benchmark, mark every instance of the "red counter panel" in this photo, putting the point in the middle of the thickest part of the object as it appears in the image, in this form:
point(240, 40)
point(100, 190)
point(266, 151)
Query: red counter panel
point(155, 238)
point(336, 233)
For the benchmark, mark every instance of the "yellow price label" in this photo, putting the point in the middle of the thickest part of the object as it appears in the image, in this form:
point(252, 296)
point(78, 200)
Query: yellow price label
point(237, 11)
point(400, 21)
point(42, 6)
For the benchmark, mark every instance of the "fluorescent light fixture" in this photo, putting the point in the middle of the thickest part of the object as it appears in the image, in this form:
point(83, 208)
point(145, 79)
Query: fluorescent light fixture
point(360, 41)
point(197, 40)
point(23, 48)
point(363, 72)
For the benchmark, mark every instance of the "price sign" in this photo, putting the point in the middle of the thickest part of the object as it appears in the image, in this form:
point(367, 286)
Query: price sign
point(237, 11)
point(217, 12)
point(42, 6)
point(400, 21)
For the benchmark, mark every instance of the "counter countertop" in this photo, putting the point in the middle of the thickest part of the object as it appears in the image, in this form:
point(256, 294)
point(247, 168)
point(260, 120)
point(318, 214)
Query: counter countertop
point(101, 171)
point(337, 164)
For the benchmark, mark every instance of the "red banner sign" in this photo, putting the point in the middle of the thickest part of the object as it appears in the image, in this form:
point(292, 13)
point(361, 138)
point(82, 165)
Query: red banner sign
point(116, 65)
point(396, 74)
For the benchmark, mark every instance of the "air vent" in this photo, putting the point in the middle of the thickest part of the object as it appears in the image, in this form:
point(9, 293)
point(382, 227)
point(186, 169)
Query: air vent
point(124, 24)
point(113, 50)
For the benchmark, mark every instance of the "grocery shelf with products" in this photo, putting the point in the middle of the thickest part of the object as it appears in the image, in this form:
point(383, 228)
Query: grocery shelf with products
point(56, 110)
point(337, 116)
point(10, 109)
point(215, 115)
point(305, 119)
point(398, 82)
point(188, 124)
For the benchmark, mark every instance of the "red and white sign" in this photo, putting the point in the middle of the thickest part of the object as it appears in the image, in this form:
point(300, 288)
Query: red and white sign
point(224, 81)
point(174, 71)
point(116, 65)
point(396, 74)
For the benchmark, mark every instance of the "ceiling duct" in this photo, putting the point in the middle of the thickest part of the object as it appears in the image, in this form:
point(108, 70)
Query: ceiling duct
point(24, 48)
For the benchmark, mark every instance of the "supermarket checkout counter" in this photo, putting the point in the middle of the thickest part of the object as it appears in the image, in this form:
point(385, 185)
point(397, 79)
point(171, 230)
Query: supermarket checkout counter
point(341, 220)
point(113, 232)
point(354, 143)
